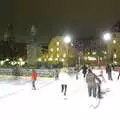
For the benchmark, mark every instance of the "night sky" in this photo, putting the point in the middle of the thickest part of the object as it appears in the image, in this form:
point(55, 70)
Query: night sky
point(80, 18)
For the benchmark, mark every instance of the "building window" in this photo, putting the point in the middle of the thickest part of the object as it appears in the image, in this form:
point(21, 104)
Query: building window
point(57, 43)
point(58, 55)
point(57, 49)
point(51, 49)
point(64, 55)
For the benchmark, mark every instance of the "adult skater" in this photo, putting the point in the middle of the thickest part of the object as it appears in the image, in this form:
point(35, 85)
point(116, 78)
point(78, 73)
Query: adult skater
point(56, 74)
point(109, 71)
point(34, 78)
point(93, 83)
point(84, 68)
point(102, 76)
point(119, 73)
point(64, 78)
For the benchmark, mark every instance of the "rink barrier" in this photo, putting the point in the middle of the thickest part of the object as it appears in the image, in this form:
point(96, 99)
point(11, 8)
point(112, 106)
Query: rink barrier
point(42, 73)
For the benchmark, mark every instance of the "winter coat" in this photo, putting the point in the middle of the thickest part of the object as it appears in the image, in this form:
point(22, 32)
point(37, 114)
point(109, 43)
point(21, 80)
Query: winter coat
point(34, 75)
point(119, 69)
point(92, 80)
point(64, 78)
point(108, 69)
point(84, 68)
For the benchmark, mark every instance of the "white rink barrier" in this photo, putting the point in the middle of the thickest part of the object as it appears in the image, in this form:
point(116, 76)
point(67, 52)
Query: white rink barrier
point(27, 72)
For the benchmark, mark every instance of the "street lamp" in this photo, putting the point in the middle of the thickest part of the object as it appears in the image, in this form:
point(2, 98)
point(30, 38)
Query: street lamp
point(107, 36)
point(67, 40)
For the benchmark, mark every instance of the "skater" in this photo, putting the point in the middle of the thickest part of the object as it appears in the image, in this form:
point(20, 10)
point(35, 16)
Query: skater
point(16, 73)
point(84, 68)
point(76, 71)
point(34, 78)
point(109, 72)
point(119, 73)
point(56, 75)
point(64, 78)
point(101, 75)
point(93, 83)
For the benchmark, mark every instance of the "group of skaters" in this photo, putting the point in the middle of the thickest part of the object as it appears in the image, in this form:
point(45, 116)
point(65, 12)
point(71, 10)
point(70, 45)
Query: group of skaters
point(92, 80)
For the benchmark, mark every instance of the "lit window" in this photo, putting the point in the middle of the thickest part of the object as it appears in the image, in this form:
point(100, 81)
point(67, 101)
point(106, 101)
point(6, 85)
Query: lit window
point(39, 59)
point(50, 59)
point(57, 43)
point(56, 59)
point(115, 56)
point(57, 49)
point(64, 55)
point(58, 55)
point(114, 41)
point(62, 60)
point(105, 52)
point(51, 49)
point(94, 53)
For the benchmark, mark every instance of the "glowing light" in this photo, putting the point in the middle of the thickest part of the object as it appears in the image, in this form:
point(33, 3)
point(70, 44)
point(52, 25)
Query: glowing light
point(20, 59)
point(88, 53)
point(58, 55)
point(2, 62)
point(107, 36)
point(57, 43)
point(94, 53)
point(51, 49)
point(105, 52)
point(7, 59)
point(62, 60)
point(67, 39)
point(50, 59)
point(57, 49)
point(39, 59)
point(114, 41)
point(115, 56)
point(56, 59)
point(64, 55)
point(91, 58)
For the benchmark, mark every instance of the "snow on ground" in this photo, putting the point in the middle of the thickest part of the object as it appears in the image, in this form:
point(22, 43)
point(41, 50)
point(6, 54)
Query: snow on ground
point(19, 102)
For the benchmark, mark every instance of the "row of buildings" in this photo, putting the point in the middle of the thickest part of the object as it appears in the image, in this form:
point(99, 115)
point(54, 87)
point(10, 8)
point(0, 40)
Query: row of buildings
point(32, 50)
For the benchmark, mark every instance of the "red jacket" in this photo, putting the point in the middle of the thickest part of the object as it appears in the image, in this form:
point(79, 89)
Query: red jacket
point(34, 75)
point(119, 69)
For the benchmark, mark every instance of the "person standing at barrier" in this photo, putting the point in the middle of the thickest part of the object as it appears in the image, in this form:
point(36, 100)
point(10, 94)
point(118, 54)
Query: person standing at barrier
point(34, 78)
point(64, 78)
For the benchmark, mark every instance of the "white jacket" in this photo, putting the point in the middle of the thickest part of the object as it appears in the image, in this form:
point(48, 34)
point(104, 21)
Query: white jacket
point(64, 78)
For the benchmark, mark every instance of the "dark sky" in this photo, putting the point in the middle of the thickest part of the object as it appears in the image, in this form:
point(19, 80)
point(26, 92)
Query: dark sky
point(81, 18)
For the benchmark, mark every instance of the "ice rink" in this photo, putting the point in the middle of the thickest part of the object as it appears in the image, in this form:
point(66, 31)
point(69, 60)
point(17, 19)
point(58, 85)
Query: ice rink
point(19, 102)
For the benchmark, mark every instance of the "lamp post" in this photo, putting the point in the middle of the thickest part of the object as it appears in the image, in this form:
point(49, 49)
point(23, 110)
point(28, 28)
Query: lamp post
point(67, 40)
point(108, 37)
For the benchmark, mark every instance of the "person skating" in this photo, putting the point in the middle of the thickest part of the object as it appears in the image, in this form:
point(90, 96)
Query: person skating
point(102, 76)
point(93, 83)
point(84, 68)
point(119, 73)
point(109, 72)
point(56, 75)
point(34, 78)
point(64, 78)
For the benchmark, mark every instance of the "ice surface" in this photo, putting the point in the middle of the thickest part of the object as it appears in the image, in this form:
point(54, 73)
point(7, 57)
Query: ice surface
point(19, 102)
